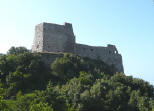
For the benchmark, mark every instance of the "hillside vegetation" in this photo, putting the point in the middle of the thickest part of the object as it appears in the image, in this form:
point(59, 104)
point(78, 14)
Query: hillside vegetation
point(71, 83)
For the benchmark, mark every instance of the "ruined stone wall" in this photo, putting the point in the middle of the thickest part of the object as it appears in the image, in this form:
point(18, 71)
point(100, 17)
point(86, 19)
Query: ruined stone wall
point(38, 39)
point(54, 38)
point(60, 38)
point(107, 54)
point(49, 58)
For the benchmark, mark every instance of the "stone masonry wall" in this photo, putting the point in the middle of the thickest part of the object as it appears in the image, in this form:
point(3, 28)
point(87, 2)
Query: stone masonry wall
point(107, 54)
point(38, 39)
point(49, 58)
point(60, 38)
point(54, 38)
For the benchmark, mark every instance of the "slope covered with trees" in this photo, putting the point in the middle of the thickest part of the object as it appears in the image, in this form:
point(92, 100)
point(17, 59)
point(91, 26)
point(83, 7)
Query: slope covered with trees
point(71, 83)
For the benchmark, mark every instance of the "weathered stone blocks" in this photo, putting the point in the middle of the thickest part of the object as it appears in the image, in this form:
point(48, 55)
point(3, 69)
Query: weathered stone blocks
point(60, 38)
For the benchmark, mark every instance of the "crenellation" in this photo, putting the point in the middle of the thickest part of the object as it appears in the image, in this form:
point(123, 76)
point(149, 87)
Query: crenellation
point(51, 37)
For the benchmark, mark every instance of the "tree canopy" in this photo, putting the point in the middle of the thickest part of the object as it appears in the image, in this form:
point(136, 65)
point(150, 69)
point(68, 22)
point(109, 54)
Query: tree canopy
point(71, 83)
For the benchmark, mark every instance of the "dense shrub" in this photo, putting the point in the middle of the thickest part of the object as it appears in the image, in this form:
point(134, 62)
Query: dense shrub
point(71, 83)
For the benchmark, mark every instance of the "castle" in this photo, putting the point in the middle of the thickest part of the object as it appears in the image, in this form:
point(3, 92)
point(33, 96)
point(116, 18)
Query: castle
point(51, 37)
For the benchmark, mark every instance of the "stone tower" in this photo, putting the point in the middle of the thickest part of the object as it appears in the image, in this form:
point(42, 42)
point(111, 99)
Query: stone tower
point(54, 38)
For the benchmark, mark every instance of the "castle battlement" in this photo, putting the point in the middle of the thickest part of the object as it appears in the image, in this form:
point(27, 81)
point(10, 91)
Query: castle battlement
point(51, 37)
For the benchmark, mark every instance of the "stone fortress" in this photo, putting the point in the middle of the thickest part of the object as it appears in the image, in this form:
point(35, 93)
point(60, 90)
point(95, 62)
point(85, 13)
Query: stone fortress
point(56, 38)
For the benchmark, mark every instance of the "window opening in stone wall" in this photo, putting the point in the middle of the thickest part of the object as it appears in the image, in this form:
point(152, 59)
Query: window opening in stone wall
point(44, 29)
point(109, 52)
point(91, 49)
point(115, 52)
point(37, 46)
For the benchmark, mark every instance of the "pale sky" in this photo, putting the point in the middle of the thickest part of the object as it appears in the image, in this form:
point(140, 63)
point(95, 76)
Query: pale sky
point(128, 24)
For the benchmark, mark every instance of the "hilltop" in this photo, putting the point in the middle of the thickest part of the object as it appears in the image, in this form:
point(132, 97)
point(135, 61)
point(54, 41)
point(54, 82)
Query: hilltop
point(56, 38)
point(69, 83)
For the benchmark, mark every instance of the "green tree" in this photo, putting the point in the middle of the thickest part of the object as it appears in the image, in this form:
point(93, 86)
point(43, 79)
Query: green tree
point(3, 104)
point(17, 50)
point(40, 107)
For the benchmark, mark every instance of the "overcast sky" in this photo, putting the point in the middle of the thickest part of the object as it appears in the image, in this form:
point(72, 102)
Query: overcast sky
point(128, 24)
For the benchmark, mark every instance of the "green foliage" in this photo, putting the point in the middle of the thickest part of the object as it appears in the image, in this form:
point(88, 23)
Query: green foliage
point(71, 65)
point(71, 83)
point(17, 50)
point(40, 107)
point(3, 105)
point(151, 102)
point(23, 72)
point(66, 67)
